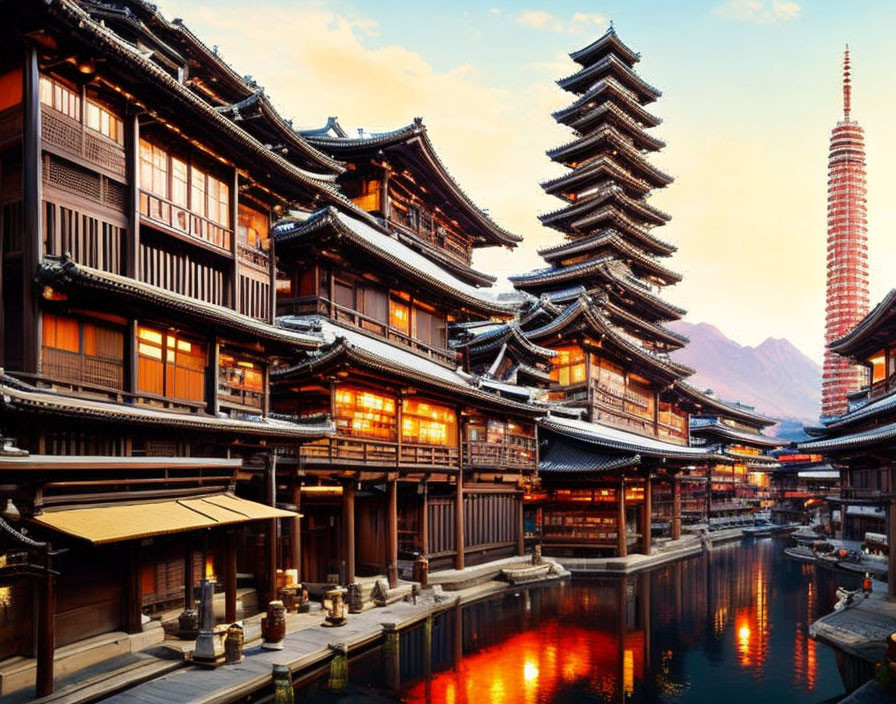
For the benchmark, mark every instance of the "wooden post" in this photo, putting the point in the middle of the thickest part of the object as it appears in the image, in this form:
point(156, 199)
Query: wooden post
point(622, 547)
point(211, 378)
point(271, 580)
point(459, 521)
point(392, 533)
point(646, 509)
point(424, 520)
point(188, 575)
point(32, 201)
point(132, 157)
point(297, 532)
point(133, 600)
point(229, 576)
point(348, 530)
point(46, 635)
point(676, 507)
point(891, 541)
point(233, 216)
point(520, 542)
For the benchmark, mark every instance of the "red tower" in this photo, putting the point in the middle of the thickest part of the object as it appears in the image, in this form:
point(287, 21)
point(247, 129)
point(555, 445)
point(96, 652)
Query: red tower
point(847, 261)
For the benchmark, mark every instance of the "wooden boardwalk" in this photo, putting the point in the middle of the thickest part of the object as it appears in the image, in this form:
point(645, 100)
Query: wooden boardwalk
point(303, 648)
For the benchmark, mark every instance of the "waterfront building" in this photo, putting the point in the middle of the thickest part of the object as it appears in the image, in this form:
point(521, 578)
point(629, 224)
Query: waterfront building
point(618, 427)
point(846, 298)
point(802, 486)
point(860, 442)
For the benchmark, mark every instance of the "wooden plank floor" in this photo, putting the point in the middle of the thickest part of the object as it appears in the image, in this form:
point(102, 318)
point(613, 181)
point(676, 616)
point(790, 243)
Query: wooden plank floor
point(302, 648)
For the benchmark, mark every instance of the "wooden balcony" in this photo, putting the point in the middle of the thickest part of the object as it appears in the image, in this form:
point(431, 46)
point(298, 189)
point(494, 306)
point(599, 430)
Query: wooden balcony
point(378, 453)
point(82, 369)
point(312, 305)
point(70, 138)
point(178, 220)
point(520, 455)
point(252, 256)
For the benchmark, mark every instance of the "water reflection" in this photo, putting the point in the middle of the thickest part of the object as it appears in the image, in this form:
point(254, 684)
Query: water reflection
point(733, 621)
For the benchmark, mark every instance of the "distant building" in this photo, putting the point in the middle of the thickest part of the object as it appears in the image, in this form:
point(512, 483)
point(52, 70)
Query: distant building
point(847, 253)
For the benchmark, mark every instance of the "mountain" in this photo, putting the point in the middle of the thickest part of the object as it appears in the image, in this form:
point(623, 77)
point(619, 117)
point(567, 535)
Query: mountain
point(775, 377)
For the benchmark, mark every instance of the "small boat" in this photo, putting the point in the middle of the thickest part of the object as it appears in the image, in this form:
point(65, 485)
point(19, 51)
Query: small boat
point(806, 536)
point(760, 529)
point(802, 553)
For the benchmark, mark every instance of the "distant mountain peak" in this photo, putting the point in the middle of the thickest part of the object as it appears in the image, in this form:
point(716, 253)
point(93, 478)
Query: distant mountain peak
point(775, 377)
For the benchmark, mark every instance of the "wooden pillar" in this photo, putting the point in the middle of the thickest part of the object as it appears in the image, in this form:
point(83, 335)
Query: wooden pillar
point(234, 293)
point(891, 541)
point(46, 635)
point(676, 507)
point(133, 599)
point(646, 509)
point(297, 532)
point(348, 530)
point(392, 532)
point(229, 576)
point(188, 575)
point(271, 577)
point(520, 541)
point(459, 521)
point(622, 548)
point(132, 157)
point(33, 210)
point(211, 378)
point(424, 520)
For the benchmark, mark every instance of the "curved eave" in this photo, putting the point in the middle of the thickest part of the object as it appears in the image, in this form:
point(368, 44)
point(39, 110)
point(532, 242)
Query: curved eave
point(344, 352)
point(588, 243)
point(15, 398)
point(882, 435)
point(622, 441)
point(110, 45)
point(721, 430)
point(591, 145)
point(721, 407)
point(608, 42)
point(580, 81)
point(655, 332)
point(862, 336)
point(602, 167)
point(510, 334)
point(467, 273)
point(575, 212)
point(415, 136)
point(612, 217)
point(66, 275)
point(621, 96)
point(329, 219)
point(606, 113)
point(876, 410)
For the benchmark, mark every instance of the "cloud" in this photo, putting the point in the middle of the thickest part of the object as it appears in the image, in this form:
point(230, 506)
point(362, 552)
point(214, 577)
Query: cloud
point(579, 23)
point(759, 11)
point(539, 19)
point(586, 21)
point(495, 11)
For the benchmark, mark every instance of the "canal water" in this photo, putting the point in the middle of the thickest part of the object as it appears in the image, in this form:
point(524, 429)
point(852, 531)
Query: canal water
point(728, 626)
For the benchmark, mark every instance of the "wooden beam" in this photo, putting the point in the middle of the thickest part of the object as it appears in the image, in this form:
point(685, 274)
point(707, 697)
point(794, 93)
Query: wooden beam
point(520, 541)
point(622, 547)
point(392, 532)
point(46, 635)
point(424, 520)
point(132, 159)
point(230, 576)
point(297, 531)
point(133, 598)
point(33, 211)
point(348, 530)
point(645, 515)
point(459, 522)
point(676, 507)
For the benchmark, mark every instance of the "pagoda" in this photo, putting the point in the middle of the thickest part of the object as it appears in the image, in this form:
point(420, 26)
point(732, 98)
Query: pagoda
point(846, 298)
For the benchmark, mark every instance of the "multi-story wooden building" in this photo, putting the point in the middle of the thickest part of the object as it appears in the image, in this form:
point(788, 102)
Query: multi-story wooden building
point(428, 459)
point(138, 177)
point(860, 442)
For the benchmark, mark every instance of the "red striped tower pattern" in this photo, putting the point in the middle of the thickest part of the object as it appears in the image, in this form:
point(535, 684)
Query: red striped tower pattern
point(847, 261)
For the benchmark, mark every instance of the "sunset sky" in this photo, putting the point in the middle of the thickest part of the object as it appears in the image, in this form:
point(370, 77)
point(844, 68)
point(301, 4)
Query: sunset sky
point(751, 91)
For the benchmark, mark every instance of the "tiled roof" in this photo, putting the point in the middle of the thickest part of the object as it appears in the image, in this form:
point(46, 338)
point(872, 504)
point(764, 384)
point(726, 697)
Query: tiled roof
point(586, 77)
point(384, 357)
point(562, 457)
point(863, 439)
point(867, 326)
point(622, 96)
point(18, 397)
point(715, 427)
point(879, 407)
point(721, 407)
point(621, 440)
point(66, 275)
point(385, 247)
point(608, 41)
point(416, 134)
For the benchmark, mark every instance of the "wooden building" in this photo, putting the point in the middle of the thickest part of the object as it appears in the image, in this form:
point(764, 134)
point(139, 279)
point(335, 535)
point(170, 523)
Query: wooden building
point(429, 459)
point(137, 184)
point(860, 442)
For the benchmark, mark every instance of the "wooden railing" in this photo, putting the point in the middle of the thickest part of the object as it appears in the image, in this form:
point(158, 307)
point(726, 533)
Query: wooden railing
point(241, 396)
point(179, 219)
point(78, 368)
point(70, 136)
point(252, 256)
point(863, 494)
point(377, 452)
point(311, 305)
point(520, 455)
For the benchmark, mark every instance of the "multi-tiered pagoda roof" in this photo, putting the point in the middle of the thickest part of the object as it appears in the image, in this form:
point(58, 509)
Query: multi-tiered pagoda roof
point(610, 252)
